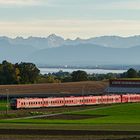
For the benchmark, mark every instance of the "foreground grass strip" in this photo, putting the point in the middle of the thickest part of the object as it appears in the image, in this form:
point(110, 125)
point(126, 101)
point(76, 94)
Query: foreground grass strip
point(3, 105)
point(107, 127)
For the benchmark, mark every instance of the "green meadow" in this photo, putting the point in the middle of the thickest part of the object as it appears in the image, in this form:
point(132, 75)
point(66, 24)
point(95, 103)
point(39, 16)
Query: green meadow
point(3, 105)
point(117, 117)
point(115, 114)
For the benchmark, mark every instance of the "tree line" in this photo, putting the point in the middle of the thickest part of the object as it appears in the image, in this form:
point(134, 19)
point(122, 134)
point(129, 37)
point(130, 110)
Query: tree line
point(79, 75)
point(23, 73)
point(28, 73)
point(75, 76)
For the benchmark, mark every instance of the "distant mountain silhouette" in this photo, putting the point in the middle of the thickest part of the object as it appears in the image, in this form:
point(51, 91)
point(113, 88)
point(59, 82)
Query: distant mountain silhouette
point(57, 41)
point(54, 50)
point(86, 54)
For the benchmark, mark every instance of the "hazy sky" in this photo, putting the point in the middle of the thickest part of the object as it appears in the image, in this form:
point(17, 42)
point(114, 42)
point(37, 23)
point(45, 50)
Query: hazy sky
point(69, 18)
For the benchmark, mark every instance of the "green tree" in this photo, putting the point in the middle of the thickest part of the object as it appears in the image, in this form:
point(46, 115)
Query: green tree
point(79, 76)
point(51, 79)
point(131, 73)
point(28, 73)
point(138, 73)
point(8, 73)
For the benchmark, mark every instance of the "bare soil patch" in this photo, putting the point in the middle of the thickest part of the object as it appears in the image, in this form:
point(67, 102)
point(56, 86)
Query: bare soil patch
point(66, 132)
point(67, 138)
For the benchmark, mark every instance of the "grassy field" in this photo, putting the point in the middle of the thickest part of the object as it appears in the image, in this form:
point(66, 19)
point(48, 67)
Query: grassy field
point(105, 119)
point(124, 113)
point(115, 114)
point(3, 105)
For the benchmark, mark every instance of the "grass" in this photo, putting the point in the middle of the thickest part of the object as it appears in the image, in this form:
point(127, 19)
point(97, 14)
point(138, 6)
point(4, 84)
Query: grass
point(3, 105)
point(115, 127)
point(116, 117)
point(122, 114)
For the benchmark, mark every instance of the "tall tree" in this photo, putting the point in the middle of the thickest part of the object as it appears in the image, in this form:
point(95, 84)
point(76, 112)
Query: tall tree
point(79, 76)
point(28, 73)
point(8, 73)
point(131, 73)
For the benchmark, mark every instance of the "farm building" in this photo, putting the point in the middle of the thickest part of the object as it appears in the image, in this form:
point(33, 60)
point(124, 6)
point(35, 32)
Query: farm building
point(123, 86)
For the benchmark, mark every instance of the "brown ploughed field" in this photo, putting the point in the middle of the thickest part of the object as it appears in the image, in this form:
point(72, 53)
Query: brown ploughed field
point(63, 88)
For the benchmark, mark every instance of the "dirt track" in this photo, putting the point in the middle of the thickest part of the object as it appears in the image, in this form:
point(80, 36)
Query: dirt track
point(65, 132)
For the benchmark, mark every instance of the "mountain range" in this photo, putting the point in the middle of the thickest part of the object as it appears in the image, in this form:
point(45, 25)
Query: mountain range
point(55, 50)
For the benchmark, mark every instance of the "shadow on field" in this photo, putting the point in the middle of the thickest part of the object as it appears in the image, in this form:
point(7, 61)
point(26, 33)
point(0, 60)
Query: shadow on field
point(72, 117)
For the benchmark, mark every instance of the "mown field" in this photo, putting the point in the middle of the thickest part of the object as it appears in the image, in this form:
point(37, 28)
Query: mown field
point(3, 105)
point(114, 114)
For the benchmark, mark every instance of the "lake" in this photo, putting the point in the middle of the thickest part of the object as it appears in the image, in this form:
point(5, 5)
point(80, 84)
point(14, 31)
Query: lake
point(89, 71)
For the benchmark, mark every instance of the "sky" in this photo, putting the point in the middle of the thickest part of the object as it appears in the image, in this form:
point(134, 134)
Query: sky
point(69, 18)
